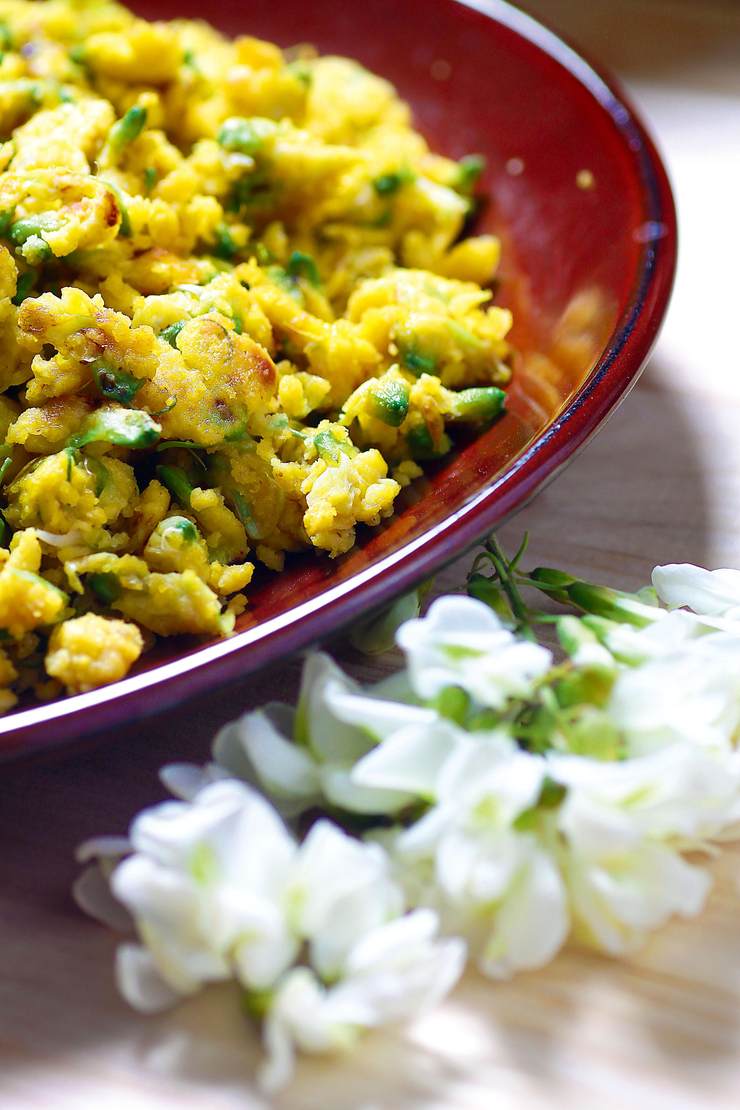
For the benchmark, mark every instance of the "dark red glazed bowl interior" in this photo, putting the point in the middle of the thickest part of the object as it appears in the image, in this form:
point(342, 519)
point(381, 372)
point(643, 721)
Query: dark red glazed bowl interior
point(587, 271)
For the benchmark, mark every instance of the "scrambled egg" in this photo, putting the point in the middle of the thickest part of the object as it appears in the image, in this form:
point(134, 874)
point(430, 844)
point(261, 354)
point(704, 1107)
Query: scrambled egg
point(238, 309)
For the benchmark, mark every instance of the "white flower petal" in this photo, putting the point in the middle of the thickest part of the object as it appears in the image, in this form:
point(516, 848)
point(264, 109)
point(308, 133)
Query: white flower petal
point(267, 949)
point(92, 893)
point(380, 719)
point(401, 969)
point(185, 780)
point(533, 922)
point(303, 1014)
point(103, 847)
point(340, 789)
point(617, 902)
point(329, 738)
point(139, 980)
point(681, 791)
point(228, 747)
point(276, 1071)
point(228, 830)
point(282, 768)
point(711, 592)
point(411, 759)
point(341, 888)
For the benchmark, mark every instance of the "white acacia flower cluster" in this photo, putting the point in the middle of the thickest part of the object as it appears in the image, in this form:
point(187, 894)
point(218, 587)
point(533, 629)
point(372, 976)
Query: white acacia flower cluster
point(315, 932)
point(509, 802)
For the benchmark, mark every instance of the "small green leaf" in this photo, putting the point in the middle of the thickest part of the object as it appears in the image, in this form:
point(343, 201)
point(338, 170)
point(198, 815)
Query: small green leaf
point(99, 471)
point(116, 384)
point(32, 227)
point(301, 265)
point(121, 427)
point(105, 586)
point(185, 445)
point(247, 136)
point(328, 447)
point(171, 332)
point(224, 245)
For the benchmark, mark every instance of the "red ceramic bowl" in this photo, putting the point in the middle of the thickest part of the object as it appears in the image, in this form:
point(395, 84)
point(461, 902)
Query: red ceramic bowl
point(582, 203)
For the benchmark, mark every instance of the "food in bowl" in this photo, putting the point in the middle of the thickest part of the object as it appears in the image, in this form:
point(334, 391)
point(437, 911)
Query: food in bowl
point(239, 312)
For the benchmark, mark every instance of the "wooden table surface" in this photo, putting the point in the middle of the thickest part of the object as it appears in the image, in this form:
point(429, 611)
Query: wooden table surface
point(660, 483)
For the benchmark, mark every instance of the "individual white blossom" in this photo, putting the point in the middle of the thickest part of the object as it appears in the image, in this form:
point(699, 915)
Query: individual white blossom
point(680, 793)
point(635, 646)
point(392, 974)
point(496, 884)
point(217, 888)
point(461, 642)
point(617, 898)
point(689, 695)
point(204, 887)
point(339, 889)
point(624, 825)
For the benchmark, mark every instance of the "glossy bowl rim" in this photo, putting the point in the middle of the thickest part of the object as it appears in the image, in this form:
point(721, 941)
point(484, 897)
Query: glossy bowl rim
point(215, 665)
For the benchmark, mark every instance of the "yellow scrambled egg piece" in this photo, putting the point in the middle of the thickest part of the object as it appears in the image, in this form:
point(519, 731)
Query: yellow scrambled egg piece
point(239, 311)
point(85, 652)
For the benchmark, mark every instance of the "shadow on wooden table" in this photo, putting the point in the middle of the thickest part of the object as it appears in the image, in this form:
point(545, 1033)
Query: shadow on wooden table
point(637, 488)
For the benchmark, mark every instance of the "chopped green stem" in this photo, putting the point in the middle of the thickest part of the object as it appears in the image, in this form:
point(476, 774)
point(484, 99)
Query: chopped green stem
point(23, 286)
point(177, 482)
point(478, 404)
point(389, 402)
point(128, 128)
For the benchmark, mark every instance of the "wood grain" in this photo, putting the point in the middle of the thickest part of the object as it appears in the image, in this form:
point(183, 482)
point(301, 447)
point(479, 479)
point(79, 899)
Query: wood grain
point(661, 482)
